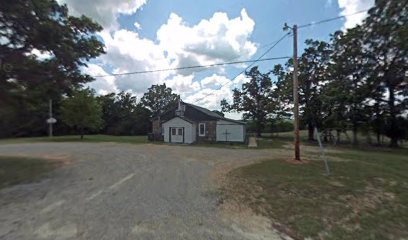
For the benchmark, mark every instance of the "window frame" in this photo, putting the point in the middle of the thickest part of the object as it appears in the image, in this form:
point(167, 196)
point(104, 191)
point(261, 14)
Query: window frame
point(175, 132)
point(199, 129)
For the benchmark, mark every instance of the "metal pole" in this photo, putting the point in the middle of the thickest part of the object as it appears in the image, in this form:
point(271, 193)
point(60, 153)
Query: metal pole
point(50, 124)
point(296, 95)
point(322, 152)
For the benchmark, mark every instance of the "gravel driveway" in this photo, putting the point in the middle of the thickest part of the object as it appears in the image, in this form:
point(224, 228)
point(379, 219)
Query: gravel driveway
point(121, 191)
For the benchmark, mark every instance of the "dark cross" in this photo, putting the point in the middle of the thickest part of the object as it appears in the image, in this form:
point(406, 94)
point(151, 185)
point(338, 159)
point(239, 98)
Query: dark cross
point(226, 133)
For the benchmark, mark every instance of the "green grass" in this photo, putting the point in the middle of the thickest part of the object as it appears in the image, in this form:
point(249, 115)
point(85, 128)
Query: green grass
point(75, 138)
point(266, 143)
point(366, 197)
point(221, 145)
point(16, 170)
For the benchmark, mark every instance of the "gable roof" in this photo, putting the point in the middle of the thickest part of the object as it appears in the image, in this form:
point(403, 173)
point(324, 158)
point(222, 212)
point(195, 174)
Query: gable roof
point(205, 111)
point(194, 113)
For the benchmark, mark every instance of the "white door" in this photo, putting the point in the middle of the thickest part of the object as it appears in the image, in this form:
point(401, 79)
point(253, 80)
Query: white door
point(177, 135)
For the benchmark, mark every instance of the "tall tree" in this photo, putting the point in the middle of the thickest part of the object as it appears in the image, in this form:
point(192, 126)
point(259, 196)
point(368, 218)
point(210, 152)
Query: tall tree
point(82, 111)
point(313, 74)
point(66, 43)
point(350, 84)
point(254, 99)
point(283, 93)
point(159, 98)
point(123, 115)
point(386, 34)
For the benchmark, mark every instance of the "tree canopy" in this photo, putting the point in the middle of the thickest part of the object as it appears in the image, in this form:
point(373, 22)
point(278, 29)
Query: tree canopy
point(65, 43)
point(82, 111)
point(159, 98)
point(254, 99)
point(123, 115)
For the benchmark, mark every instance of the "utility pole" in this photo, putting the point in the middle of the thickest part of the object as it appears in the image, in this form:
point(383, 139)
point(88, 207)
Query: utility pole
point(50, 123)
point(50, 120)
point(295, 92)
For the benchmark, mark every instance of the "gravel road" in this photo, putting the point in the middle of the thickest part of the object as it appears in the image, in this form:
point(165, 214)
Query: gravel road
point(122, 191)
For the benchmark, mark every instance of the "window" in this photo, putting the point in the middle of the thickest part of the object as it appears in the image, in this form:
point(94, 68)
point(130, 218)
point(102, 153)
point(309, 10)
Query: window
point(201, 129)
point(180, 131)
point(173, 131)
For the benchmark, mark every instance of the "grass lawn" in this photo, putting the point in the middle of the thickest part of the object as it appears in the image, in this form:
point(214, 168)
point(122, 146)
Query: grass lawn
point(15, 170)
point(75, 138)
point(366, 197)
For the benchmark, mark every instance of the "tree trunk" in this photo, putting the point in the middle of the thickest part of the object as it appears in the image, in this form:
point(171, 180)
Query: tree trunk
point(258, 129)
point(355, 138)
point(338, 135)
point(393, 127)
point(81, 132)
point(394, 142)
point(310, 129)
point(369, 141)
point(378, 138)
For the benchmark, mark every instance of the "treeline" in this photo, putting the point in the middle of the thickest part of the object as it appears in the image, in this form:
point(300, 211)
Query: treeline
point(357, 81)
point(83, 112)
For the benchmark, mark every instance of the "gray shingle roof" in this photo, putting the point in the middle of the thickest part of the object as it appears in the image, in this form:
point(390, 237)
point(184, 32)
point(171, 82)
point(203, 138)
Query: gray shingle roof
point(212, 114)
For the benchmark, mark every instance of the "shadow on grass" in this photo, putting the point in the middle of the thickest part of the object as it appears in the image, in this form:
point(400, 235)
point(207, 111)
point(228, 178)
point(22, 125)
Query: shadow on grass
point(17, 170)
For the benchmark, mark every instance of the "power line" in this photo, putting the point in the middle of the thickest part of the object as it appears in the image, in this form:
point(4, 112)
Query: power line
point(192, 67)
point(283, 37)
point(253, 62)
point(332, 19)
point(268, 44)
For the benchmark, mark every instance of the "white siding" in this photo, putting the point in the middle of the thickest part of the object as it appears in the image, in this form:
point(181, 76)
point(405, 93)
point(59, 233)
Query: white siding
point(189, 130)
point(236, 132)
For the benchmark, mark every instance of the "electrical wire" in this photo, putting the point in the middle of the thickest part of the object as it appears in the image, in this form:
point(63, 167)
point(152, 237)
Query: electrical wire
point(243, 71)
point(331, 19)
point(191, 67)
point(301, 26)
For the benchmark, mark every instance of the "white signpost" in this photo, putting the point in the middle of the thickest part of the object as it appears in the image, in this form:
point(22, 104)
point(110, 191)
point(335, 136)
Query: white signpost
point(51, 120)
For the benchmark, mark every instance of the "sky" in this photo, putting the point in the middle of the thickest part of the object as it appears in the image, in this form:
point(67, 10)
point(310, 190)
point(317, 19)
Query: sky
point(144, 35)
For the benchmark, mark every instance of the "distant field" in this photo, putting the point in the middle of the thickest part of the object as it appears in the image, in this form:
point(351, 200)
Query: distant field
point(75, 138)
point(362, 138)
point(365, 197)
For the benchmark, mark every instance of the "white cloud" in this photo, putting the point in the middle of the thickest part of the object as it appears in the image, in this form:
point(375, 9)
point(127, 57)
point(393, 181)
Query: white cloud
point(215, 81)
point(241, 79)
point(210, 41)
point(137, 26)
point(41, 55)
point(208, 92)
point(102, 85)
point(352, 6)
point(127, 52)
point(105, 12)
point(183, 85)
point(214, 40)
point(178, 44)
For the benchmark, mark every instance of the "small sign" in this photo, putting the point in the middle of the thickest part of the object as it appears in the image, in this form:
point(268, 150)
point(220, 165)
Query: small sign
point(51, 120)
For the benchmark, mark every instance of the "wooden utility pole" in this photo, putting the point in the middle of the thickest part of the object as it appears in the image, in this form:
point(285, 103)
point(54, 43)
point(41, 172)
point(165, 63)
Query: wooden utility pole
point(296, 94)
point(295, 91)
